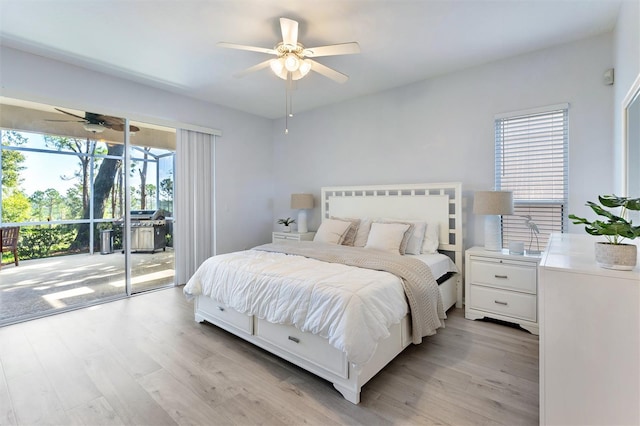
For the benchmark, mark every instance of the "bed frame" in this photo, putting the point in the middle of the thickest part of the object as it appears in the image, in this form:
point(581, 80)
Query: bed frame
point(435, 203)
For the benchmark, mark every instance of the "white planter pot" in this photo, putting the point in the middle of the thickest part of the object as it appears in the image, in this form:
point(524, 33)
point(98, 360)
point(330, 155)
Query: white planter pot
point(286, 229)
point(622, 257)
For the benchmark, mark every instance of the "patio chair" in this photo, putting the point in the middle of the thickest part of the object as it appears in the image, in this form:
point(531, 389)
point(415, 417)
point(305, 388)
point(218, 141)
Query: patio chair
point(9, 242)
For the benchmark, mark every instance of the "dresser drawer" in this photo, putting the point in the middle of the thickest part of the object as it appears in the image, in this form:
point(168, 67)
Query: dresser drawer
point(226, 315)
point(310, 347)
point(503, 302)
point(285, 237)
point(509, 275)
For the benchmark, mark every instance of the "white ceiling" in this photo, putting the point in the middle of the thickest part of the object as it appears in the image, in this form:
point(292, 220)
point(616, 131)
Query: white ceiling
point(172, 44)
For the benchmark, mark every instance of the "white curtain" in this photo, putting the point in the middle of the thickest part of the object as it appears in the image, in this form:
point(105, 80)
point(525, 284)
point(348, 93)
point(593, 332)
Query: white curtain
point(194, 199)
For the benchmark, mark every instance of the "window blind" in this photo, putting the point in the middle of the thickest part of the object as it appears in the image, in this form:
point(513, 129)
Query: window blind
point(531, 161)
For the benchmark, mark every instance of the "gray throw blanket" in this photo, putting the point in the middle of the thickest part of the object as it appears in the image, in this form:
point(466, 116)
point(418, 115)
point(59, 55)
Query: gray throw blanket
point(425, 301)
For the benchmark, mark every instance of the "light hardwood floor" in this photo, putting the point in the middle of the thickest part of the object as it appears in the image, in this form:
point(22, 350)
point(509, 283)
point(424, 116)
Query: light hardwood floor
point(145, 361)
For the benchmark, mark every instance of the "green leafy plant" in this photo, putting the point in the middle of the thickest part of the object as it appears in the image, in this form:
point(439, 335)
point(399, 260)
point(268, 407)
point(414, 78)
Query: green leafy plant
point(615, 228)
point(286, 222)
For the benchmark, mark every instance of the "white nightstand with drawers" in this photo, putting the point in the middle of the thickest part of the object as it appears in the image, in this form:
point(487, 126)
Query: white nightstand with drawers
point(280, 237)
point(502, 286)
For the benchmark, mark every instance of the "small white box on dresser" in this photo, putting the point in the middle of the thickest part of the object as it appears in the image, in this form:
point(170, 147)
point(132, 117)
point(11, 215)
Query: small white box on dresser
point(281, 237)
point(502, 286)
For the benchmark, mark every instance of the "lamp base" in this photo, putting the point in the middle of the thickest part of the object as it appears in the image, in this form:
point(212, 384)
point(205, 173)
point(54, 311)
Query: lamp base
point(492, 233)
point(302, 221)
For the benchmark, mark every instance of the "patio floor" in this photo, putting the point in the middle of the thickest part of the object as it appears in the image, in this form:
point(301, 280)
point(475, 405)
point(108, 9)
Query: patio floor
point(44, 286)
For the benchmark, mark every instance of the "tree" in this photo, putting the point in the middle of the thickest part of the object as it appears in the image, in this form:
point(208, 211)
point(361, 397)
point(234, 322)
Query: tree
point(37, 200)
point(52, 201)
point(102, 186)
point(12, 161)
point(16, 208)
point(85, 150)
point(73, 202)
point(15, 204)
point(150, 191)
point(142, 173)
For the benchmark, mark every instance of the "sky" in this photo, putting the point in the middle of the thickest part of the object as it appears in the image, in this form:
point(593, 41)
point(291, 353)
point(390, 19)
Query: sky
point(41, 173)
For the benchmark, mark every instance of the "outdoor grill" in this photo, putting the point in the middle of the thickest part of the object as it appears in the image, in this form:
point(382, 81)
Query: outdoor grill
point(148, 230)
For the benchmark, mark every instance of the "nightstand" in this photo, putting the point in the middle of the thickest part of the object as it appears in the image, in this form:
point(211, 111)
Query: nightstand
point(502, 286)
point(281, 237)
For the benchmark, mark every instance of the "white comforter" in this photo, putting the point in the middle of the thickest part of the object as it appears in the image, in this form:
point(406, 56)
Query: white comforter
point(352, 307)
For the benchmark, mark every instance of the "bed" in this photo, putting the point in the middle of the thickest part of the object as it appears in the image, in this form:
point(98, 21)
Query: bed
point(268, 295)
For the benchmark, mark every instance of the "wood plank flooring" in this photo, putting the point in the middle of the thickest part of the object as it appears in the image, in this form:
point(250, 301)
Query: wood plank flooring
point(144, 361)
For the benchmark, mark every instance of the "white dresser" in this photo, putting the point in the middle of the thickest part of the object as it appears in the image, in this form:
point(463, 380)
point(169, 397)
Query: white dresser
point(502, 286)
point(589, 337)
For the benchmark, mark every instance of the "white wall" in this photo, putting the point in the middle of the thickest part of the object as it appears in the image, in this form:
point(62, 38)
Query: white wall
point(627, 69)
point(441, 129)
point(243, 177)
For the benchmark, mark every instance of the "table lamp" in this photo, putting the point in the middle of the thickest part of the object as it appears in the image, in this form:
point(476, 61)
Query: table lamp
point(492, 204)
point(302, 202)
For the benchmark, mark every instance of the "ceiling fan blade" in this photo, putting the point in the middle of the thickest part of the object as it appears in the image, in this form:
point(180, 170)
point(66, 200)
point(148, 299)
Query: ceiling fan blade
point(254, 68)
point(289, 29)
point(109, 120)
point(244, 47)
point(68, 113)
point(328, 72)
point(332, 50)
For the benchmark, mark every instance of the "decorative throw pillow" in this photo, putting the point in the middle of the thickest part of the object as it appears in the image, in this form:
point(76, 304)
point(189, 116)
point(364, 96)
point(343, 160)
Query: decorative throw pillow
point(332, 231)
point(407, 235)
point(362, 233)
point(387, 236)
point(350, 236)
point(414, 246)
point(431, 238)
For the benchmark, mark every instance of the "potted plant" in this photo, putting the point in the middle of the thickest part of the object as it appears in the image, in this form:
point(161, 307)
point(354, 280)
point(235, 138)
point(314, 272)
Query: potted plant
point(613, 254)
point(286, 222)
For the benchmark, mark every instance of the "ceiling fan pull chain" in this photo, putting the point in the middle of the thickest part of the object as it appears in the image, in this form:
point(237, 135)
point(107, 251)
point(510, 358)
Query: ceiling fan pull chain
point(286, 109)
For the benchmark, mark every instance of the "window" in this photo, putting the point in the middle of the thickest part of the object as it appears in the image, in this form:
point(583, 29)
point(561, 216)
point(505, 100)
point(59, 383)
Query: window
point(531, 161)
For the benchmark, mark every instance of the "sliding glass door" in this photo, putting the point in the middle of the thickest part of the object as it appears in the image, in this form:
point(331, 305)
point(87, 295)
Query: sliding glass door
point(69, 182)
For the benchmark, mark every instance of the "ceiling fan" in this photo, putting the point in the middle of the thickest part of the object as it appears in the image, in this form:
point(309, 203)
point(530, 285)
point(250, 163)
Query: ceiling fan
point(293, 59)
point(97, 123)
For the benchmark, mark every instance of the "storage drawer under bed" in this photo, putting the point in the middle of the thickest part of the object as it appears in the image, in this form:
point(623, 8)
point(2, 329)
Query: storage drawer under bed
point(308, 346)
point(227, 315)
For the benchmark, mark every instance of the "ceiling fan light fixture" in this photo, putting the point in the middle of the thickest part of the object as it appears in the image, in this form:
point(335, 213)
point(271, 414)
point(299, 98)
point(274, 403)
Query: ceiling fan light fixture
point(94, 128)
point(277, 66)
point(305, 67)
point(291, 62)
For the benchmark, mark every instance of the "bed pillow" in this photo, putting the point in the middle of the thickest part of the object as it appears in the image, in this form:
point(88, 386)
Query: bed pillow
point(332, 231)
point(350, 236)
point(431, 238)
point(414, 245)
point(362, 233)
point(387, 236)
point(407, 235)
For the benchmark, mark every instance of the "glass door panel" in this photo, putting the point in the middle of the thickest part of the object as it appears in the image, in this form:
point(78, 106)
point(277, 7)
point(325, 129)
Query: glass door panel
point(151, 189)
point(58, 188)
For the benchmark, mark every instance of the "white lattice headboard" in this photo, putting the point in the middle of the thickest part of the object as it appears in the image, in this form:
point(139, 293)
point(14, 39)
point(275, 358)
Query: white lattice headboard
point(432, 202)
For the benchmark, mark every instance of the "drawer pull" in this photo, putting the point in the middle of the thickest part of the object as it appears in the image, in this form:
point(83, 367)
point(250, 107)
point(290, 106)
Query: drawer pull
point(220, 308)
point(501, 276)
point(500, 303)
point(294, 339)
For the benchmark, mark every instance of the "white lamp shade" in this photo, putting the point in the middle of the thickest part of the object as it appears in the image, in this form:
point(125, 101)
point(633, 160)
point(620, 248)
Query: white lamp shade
point(493, 202)
point(301, 201)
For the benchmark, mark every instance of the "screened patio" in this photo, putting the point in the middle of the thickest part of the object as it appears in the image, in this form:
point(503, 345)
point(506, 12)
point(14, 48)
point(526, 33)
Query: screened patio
point(40, 287)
